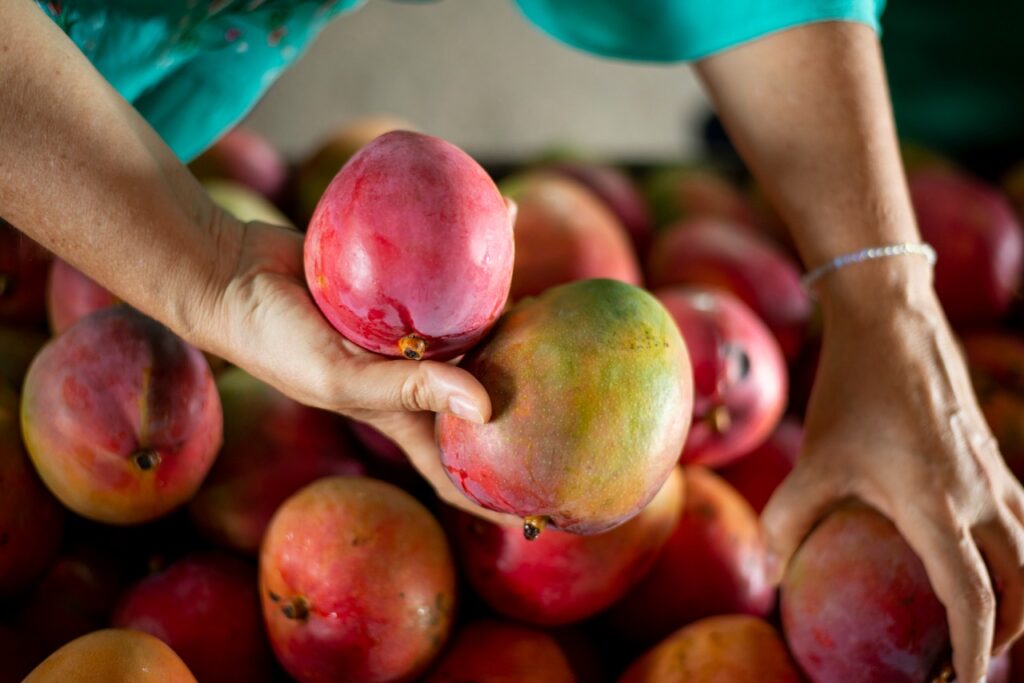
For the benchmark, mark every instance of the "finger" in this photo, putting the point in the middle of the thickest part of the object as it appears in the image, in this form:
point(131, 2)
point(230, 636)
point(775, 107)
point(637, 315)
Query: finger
point(793, 510)
point(1002, 544)
point(415, 435)
point(961, 582)
point(406, 385)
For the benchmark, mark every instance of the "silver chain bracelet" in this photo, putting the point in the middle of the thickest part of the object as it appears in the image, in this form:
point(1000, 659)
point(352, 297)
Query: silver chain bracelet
point(870, 254)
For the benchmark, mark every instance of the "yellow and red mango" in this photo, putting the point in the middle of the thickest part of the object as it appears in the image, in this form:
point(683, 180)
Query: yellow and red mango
point(739, 374)
point(758, 474)
point(71, 295)
point(618, 192)
point(564, 233)
point(273, 446)
point(357, 583)
point(715, 253)
point(18, 346)
point(499, 652)
point(561, 578)
point(244, 156)
point(113, 656)
point(589, 386)
point(857, 606)
point(714, 563)
point(979, 242)
point(679, 193)
point(31, 521)
point(23, 267)
point(724, 649)
point(315, 173)
point(206, 608)
point(120, 417)
point(409, 252)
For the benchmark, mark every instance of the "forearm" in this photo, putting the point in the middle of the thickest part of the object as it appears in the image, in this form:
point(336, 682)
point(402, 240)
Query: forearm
point(82, 173)
point(808, 109)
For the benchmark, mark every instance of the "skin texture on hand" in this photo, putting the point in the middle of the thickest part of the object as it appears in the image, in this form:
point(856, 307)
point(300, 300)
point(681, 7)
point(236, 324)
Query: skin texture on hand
point(892, 419)
point(82, 173)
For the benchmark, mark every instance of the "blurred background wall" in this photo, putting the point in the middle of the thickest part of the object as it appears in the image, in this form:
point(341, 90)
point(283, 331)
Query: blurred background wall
point(475, 72)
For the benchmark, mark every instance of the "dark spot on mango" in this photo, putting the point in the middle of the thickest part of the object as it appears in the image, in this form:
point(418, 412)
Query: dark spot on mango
point(146, 459)
point(297, 608)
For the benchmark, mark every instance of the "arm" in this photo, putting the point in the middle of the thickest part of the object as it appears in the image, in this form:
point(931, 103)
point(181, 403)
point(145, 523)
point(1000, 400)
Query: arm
point(82, 173)
point(893, 419)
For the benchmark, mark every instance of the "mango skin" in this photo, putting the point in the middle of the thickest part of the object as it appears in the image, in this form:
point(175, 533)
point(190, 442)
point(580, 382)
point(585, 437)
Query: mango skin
point(589, 384)
point(113, 656)
point(376, 581)
point(857, 605)
point(726, 649)
point(273, 446)
point(501, 652)
point(31, 520)
point(562, 578)
point(713, 563)
point(411, 238)
point(71, 295)
point(114, 384)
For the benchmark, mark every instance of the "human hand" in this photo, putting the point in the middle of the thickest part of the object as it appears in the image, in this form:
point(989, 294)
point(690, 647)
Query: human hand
point(893, 420)
point(264, 320)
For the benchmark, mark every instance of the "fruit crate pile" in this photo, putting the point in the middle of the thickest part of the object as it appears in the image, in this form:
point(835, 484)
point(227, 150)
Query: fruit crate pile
point(649, 373)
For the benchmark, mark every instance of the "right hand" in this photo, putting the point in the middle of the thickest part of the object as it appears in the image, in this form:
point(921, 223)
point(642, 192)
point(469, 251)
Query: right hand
point(263, 319)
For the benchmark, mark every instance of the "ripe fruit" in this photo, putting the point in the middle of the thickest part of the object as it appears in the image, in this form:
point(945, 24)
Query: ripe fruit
point(757, 475)
point(315, 173)
point(31, 521)
point(121, 418)
point(682, 193)
point(710, 252)
point(564, 233)
point(206, 608)
point(613, 187)
point(245, 157)
point(243, 203)
point(561, 578)
point(409, 252)
point(727, 649)
point(273, 447)
point(357, 583)
point(72, 295)
point(587, 383)
point(978, 240)
point(113, 656)
point(739, 374)
point(857, 605)
point(23, 266)
point(714, 563)
point(500, 652)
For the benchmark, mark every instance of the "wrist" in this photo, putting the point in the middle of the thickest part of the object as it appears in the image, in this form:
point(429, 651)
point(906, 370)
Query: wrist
point(877, 294)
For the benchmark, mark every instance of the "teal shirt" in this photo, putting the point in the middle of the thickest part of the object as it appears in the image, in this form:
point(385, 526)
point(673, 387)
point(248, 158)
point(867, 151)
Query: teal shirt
point(194, 68)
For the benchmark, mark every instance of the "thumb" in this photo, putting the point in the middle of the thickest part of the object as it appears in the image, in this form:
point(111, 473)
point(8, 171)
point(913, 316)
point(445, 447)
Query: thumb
point(793, 510)
point(408, 385)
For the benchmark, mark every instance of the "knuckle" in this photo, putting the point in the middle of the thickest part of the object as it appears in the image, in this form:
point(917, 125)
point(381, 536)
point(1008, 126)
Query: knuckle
point(415, 392)
point(977, 597)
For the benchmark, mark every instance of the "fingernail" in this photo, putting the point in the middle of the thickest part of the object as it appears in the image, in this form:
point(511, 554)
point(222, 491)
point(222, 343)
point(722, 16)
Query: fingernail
point(460, 406)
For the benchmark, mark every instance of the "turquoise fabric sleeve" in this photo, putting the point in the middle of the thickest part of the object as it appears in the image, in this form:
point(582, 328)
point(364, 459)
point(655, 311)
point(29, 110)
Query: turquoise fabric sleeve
point(682, 30)
point(193, 68)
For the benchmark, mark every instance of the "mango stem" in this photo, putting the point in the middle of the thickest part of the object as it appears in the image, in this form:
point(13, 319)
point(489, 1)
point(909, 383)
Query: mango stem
point(146, 459)
point(412, 346)
point(533, 525)
point(297, 608)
